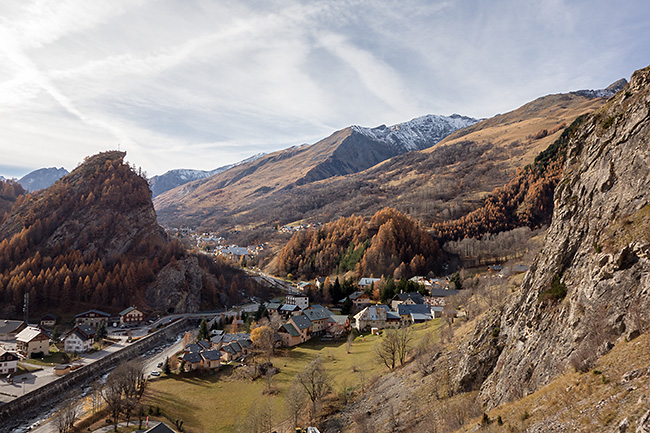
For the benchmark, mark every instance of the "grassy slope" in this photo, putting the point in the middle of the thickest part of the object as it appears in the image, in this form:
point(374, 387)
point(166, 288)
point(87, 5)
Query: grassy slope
point(596, 401)
point(214, 403)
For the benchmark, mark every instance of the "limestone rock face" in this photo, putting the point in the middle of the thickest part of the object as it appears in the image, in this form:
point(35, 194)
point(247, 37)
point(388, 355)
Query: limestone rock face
point(597, 246)
point(177, 287)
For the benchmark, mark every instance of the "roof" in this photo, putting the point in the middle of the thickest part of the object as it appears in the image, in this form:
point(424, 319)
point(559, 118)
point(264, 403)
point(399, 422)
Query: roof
point(441, 293)
point(87, 329)
point(29, 333)
point(405, 310)
point(316, 314)
point(217, 332)
point(236, 347)
point(9, 326)
point(416, 317)
point(338, 318)
point(291, 330)
point(6, 352)
point(301, 321)
point(391, 315)
point(320, 307)
point(193, 348)
point(160, 428)
point(273, 305)
point(217, 339)
point(289, 307)
point(372, 313)
point(205, 344)
point(211, 355)
point(415, 297)
point(227, 338)
point(244, 343)
point(368, 281)
point(229, 349)
point(127, 311)
point(192, 357)
point(97, 312)
point(356, 294)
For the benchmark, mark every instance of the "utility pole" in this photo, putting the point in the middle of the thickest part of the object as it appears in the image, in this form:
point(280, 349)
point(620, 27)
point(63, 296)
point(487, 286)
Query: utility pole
point(26, 308)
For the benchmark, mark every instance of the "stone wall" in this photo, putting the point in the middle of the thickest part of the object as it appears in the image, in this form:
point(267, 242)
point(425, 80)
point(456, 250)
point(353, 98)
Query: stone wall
point(35, 403)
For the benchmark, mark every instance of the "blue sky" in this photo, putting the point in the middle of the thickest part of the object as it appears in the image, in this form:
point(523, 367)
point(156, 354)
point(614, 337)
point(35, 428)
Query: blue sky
point(200, 84)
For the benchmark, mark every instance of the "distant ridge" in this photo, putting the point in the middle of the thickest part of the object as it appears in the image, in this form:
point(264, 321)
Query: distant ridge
point(173, 178)
point(42, 178)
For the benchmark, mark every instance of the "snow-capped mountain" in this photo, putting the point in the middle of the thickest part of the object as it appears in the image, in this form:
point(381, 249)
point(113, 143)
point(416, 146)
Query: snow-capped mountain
point(173, 178)
point(41, 178)
point(419, 133)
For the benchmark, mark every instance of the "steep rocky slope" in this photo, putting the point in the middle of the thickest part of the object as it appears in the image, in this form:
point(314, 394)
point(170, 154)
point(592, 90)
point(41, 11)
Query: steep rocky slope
point(242, 194)
point(589, 286)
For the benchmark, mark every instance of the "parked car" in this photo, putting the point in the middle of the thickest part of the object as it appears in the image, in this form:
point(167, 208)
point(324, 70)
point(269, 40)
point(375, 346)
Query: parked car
point(155, 373)
point(160, 364)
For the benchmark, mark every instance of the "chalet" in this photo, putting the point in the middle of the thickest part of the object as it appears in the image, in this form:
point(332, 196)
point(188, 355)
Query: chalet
point(365, 283)
point(289, 335)
point(92, 318)
point(62, 369)
point(8, 362)
point(302, 301)
point(211, 358)
point(411, 298)
point(319, 282)
point(414, 313)
point(273, 307)
point(438, 297)
point(32, 340)
point(338, 326)
point(193, 361)
point(10, 328)
point(48, 321)
point(131, 316)
point(319, 318)
point(422, 281)
point(359, 299)
point(376, 316)
point(80, 339)
point(304, 286)
point(231, 351)
point(289, 310)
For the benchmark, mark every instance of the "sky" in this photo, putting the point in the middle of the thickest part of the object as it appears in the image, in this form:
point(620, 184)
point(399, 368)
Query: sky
point(204, 83)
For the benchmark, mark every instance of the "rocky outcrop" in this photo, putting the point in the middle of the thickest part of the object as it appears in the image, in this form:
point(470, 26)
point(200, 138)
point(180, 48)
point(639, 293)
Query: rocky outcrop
point(177, 287)
point(590, 283)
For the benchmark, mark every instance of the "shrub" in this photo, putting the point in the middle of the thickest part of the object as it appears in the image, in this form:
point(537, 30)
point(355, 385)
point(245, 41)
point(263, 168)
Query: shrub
point(556, 292)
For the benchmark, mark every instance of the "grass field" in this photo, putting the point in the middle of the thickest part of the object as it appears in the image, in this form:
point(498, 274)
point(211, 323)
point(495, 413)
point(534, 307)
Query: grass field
point(216, 402)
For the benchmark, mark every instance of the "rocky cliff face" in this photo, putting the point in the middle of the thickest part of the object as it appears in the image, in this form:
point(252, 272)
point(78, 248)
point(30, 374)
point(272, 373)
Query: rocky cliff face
point(590, 284)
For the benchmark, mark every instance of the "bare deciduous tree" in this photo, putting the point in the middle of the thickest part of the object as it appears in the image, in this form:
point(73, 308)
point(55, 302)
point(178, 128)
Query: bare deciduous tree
point(294, 403)
point(394, 346)
point(64, 420)
point(315, 381)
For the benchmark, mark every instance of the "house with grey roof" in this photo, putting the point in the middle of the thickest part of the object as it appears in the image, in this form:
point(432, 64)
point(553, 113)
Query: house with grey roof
point(410, 298)
point(439, 297)
point(319, 318)
point(80, 339)
point(289, 335)
point(91, 317)
point(414, 313)
point(10, 328)
point(376, 316)
point(160, 428)
point(211, 358)
point(193, 361)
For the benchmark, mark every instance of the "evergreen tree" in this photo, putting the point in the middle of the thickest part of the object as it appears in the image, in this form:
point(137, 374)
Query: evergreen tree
point(204, 333)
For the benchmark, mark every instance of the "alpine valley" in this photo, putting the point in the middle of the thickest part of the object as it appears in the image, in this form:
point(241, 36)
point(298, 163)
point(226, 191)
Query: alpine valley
point(438, 275)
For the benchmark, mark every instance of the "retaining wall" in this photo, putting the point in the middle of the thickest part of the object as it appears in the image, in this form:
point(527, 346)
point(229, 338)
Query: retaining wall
point(37, 402)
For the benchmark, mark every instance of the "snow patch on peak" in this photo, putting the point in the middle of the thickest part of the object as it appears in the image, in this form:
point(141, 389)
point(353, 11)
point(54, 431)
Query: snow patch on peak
point(418, 133)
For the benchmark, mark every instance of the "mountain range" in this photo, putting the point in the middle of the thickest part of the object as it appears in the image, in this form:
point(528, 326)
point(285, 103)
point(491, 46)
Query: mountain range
point(431, 168)
point(42, 178)
point(225, 198)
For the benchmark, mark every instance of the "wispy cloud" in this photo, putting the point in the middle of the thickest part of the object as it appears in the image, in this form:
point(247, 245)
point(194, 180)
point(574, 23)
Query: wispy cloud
point(201, 84)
